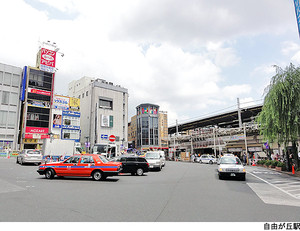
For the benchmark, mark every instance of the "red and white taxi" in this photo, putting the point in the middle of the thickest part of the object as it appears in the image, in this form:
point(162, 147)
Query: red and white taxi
point(96, 166)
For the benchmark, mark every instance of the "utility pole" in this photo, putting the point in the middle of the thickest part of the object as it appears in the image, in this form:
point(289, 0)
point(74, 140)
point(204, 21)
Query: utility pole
point(214, 133)
point(246, 144)
point(239, 113)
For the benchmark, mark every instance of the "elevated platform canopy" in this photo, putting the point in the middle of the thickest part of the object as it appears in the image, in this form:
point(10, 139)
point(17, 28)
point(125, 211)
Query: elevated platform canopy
point(224, 120)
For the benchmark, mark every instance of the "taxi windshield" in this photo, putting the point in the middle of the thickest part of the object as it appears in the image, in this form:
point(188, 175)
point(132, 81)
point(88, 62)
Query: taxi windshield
point(230, 160)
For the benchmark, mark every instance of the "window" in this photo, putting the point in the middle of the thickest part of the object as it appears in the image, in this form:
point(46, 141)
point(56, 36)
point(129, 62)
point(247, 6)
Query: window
point(5, 97)
point(106, 104)
point(7, 78)
point(3, 118)
point(13, 99)
point(86, 159)
point(1, 77)
point(82, 95)
point(15, 80)
point(87, 93)
point(12, 119)
point(73, 160)
point(131, 159)
point(40, 79)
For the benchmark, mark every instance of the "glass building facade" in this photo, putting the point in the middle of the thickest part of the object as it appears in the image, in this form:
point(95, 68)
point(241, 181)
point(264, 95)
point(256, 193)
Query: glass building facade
point(147, 126)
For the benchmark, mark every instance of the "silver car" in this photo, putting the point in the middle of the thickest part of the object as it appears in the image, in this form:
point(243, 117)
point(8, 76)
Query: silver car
point(208, 159)
point(230, 166)
point(30, 156)
point(154, 160)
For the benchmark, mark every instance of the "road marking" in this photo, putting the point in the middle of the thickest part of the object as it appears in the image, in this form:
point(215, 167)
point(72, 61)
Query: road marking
point(8, 187)
point(284, 191)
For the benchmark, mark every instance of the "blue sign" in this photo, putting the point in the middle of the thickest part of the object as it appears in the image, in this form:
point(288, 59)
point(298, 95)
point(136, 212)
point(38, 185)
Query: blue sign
point(71, 113)
point(297, 10)
point(23, 86)
point(104, 137)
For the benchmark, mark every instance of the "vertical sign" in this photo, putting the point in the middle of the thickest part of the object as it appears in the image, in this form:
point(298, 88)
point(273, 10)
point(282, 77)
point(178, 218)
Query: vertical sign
point(297, 10)
point(47, 62)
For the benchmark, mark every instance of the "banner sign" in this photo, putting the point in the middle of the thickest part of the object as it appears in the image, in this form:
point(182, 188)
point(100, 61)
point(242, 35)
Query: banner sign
point(297, 11)
point(61, 102)
point(47, 60)
point(36, 130)
point(71, 113)
point(37, 103)
point(74, 104)
point(23, 84)
point(57, 120)
point(37, 91)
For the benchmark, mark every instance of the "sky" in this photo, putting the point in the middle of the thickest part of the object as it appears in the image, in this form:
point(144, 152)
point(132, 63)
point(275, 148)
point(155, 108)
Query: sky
point(193, 58)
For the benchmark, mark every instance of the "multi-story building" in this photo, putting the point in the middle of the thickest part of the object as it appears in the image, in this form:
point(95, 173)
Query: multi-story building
point(149, 128)
point(104, 112)
point(132, 141)
point(10, 82)
point(36, 95)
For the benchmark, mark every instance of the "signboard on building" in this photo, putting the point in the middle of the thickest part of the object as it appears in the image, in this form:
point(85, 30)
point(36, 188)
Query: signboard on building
point(37, 103)
point(74, 104)
point(61, 102)
point(36, 130)
point(37, 91)
point(57, 120)
point(46, 60)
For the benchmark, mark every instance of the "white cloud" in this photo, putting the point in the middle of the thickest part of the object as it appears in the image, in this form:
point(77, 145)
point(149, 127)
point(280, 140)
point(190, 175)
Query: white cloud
point(171, 53)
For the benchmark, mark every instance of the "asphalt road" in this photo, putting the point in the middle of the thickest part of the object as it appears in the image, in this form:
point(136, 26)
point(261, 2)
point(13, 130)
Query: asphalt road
point(181, 192)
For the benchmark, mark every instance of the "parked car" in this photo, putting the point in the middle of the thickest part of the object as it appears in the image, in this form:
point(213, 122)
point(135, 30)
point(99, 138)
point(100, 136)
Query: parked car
point(208, 159)
point(30, 156)
point(133, 164)
point(231, 166)
point(154, 159)
point(197, 159)
point(89, 165)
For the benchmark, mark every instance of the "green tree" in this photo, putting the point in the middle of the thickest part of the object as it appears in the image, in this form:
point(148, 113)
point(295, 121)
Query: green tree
point(280, 116)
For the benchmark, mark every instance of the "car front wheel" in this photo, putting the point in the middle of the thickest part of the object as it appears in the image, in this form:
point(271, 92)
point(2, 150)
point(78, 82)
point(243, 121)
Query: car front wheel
point(49, 174)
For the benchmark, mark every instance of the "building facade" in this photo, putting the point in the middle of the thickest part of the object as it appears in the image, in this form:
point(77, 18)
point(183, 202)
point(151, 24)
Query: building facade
point(65, 118)
point(10, 83)
point(36, 95)
point(104, 112)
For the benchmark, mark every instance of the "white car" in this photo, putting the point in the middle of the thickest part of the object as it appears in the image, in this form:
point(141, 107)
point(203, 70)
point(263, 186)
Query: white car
point(31, 156)
point(154, 160)
point(231, 166)
point(208, 159)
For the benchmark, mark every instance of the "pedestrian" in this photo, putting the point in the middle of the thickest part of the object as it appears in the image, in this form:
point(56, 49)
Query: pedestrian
point(193, 158)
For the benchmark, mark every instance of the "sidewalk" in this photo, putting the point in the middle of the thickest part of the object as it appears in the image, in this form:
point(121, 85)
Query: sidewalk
point(297, 174)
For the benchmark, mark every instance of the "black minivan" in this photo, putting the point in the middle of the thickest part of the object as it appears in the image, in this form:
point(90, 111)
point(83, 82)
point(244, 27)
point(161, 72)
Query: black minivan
point(133, 164)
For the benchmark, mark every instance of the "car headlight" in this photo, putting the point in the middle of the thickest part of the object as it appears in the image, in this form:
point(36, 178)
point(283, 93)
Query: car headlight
point(243, 170)
point(220, 170)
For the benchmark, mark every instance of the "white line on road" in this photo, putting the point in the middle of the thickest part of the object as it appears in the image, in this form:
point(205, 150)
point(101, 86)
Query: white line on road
point(274, 186)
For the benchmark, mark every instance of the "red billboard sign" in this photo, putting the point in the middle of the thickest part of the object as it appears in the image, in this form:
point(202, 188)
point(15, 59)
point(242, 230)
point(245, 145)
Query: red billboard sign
point(40, 92)
point(48, 58)
point(37, 130)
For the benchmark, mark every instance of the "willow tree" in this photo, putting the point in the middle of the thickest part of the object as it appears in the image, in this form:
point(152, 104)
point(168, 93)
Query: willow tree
point(280, 116)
